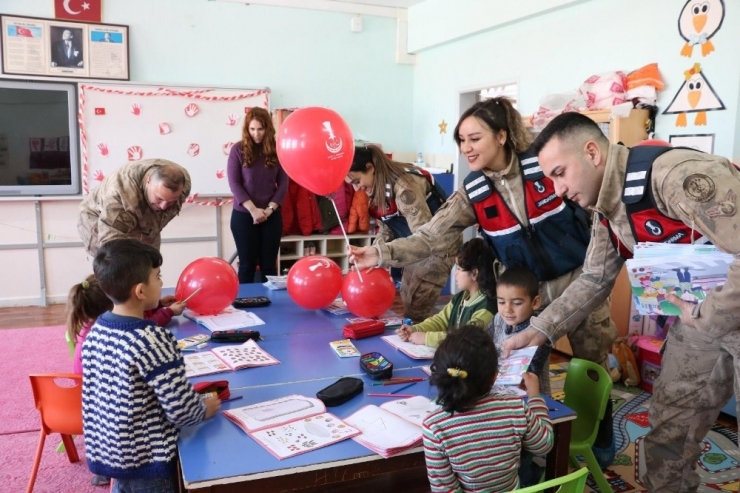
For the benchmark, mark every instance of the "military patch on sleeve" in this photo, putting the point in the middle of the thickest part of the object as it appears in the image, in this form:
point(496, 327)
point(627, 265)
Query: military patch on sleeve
point(724, 208)
point(407, 197)
point(125, 222)
point(699, 187)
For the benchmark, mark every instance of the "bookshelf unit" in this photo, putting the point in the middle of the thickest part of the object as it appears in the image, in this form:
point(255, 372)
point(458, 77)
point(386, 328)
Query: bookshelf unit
point(294, 247)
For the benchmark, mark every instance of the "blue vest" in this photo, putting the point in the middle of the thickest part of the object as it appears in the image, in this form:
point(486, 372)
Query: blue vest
point(646, 221)
point(555, 241)
point(392, 217)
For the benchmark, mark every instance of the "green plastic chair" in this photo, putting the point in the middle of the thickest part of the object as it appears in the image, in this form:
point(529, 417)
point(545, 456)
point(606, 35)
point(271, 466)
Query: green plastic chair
point(70, 344)
point(588, 389)
point(574, 482)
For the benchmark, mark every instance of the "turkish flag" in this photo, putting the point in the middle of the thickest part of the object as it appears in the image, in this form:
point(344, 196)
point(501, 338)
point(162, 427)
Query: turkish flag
point(22, 31)
point(78, 10)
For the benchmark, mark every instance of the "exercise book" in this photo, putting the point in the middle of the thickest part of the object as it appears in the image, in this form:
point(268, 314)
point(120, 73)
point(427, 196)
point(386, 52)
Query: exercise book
point(291, 425)
point(414, 351)
point(230, 318)
point(392, 427)
point(227, 358)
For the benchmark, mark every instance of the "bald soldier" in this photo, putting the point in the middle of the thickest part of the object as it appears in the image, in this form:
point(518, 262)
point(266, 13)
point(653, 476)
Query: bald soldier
point(136, 201)
point(657, 194)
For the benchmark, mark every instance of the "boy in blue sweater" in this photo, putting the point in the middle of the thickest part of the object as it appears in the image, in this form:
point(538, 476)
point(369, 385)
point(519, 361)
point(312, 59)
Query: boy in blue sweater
point(135, 396)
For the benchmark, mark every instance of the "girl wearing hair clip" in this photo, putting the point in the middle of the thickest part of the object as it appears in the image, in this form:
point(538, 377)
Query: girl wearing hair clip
point(474, 443)
point(403, 198)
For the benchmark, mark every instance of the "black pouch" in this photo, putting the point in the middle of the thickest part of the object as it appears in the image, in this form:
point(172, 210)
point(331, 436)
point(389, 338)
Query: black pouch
point(340, 391)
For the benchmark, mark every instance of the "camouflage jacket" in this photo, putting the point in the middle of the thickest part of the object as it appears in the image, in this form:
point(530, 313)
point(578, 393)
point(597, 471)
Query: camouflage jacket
point(711, 209)
point(118, 207)
point(456, 214)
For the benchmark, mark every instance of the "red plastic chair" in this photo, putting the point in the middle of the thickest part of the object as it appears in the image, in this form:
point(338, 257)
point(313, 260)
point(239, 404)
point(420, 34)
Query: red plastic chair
point(58, 397)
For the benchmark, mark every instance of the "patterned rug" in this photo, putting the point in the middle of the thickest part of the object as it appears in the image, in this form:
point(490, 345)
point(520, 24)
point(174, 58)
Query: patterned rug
point(718, 466)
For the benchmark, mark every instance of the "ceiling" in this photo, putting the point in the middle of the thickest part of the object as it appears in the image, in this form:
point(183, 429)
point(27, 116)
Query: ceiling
point(404, 4)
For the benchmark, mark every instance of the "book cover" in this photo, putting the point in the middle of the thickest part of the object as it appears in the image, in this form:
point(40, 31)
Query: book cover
point(337, 307)
point(414, 351)
point(290, 425)
point(510, 369)
point(230, 318)
point(687, 271)
point(227, 358)
point(344, 348)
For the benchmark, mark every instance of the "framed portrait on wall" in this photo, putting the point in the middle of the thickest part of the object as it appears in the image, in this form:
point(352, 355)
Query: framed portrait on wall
point(60, 48)
point(700, 142)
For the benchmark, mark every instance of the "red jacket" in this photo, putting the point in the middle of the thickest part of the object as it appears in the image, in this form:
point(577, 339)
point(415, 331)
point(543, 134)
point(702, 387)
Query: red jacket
point(300, 211)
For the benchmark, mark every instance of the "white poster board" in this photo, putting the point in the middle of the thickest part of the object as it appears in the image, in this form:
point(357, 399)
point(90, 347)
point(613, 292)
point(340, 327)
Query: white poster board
point(192, 127)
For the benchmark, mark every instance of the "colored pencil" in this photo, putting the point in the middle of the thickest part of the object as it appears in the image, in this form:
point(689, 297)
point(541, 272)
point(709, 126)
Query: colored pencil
point(401, 388)
point(399, 382)
point(414, 379)
point(402, 396)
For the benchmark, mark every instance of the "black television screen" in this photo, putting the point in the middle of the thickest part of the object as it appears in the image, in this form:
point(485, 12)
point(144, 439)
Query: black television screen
point(38, 138)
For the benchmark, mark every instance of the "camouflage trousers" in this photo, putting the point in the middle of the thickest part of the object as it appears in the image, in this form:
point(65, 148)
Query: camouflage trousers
point(593, 338)
point(421, 284)
point(695, 382)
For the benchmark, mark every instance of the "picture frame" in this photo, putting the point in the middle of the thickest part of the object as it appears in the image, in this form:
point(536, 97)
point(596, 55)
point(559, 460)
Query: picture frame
point(700, 142)
point(37, 46)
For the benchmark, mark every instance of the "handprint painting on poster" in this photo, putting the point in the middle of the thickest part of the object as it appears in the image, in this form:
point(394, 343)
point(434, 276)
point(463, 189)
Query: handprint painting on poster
point(194, 127)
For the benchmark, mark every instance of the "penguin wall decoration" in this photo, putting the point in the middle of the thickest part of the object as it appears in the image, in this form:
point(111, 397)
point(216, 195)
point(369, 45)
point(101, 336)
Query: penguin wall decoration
point(694, 96)
point(698, 22)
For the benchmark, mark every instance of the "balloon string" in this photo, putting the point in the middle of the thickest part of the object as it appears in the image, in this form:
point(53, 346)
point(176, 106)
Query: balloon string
point(346, 238)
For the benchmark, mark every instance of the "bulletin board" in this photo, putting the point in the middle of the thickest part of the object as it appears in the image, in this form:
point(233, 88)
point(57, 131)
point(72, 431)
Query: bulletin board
point(192, 127)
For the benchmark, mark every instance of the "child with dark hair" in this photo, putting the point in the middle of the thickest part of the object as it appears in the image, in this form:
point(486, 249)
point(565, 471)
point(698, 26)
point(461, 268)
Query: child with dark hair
point(472, 305)
point(134, 386)
point(517, 297)
point(475, 441)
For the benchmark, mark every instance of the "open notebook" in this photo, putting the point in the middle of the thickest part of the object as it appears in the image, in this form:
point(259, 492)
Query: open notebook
point(394, 426)
point(227, 358)
point(415, 351)
point(230, 318)
point(290, 425)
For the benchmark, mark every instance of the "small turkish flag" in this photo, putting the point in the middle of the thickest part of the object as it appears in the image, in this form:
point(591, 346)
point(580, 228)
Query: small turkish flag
point(78, 10)
point(100, 111)
point(22, 31)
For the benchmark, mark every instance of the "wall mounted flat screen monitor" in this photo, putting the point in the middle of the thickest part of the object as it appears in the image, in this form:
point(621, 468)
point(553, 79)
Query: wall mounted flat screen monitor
point(39, 152)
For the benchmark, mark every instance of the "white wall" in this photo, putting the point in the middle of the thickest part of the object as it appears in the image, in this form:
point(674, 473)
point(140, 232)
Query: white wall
point(306, 57)
point(556, 52)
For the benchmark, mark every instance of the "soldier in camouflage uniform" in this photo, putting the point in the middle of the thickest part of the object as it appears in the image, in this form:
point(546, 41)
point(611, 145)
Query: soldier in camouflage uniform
point(497, 155)
point(403, 198)
point(693, 195)
point(136, 201)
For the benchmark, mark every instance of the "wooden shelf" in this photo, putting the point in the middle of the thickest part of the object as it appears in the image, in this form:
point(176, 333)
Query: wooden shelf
point(332, 246)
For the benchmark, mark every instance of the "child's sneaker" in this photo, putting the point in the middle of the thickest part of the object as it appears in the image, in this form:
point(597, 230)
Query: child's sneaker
point(98, 480)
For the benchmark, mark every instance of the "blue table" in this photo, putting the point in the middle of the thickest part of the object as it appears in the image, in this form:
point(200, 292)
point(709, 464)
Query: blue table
point(219, 456)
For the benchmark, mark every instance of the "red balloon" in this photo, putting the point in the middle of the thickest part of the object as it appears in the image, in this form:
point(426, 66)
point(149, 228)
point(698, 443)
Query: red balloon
point(314, 282)
point(315, 147)
point(216, 282)
point(370, 297)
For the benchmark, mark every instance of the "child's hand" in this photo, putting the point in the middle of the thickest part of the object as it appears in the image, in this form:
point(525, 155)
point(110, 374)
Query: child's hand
point(177, 308)
point(531, 383)
point(167, 300)
point(213, 404)
point(418, 338)
point(403, 332)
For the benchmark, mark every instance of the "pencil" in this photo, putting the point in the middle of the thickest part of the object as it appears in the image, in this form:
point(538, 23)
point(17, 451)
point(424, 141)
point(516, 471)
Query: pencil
point(414, 379)
point(232, 399)
point(401, 388)
point(191, 295)
point(391, 395)
point(399, 382)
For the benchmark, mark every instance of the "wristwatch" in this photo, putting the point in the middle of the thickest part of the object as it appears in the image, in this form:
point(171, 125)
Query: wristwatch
point(271, 208)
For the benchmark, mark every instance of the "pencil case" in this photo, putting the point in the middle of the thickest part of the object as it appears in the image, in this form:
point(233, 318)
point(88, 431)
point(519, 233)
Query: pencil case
point(376, 366)
point(219, 387)
point(340, 391)
point(362, 330)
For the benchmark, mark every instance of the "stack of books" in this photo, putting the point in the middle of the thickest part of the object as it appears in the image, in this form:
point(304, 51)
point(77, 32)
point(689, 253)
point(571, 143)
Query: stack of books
point(688, 271)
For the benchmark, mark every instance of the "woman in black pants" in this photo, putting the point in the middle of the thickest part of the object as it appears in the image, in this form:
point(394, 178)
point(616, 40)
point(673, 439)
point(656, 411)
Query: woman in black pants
point(259, 185)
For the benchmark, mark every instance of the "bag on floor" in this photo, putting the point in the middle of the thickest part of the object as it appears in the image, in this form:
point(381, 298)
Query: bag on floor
point(627, 363)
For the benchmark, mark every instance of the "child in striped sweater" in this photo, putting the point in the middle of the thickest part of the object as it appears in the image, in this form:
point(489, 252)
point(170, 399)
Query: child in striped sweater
point(475, 441)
